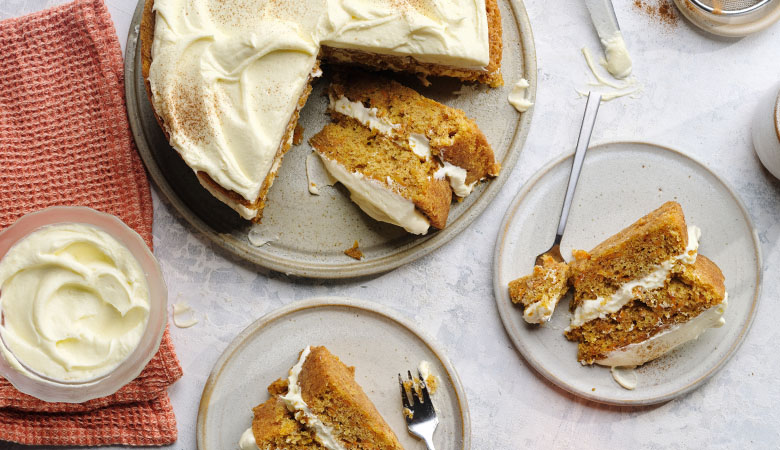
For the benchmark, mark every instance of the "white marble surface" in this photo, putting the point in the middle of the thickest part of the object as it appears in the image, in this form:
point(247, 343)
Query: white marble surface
point(700, 94)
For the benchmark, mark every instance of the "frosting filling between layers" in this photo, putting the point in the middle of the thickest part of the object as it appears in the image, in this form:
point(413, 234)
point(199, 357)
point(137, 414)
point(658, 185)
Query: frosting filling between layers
point(601, 307)
point(366, 116)
point(377, 200)
point(296, 405)
point(639, 353)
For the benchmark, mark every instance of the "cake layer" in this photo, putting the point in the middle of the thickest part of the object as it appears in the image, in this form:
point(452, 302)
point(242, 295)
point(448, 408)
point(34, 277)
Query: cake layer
point(689, 290)
point(633, 253)
point(384, 178)
point(540, 292)
point(274, 427)
point(431, 128)
point(329, 389)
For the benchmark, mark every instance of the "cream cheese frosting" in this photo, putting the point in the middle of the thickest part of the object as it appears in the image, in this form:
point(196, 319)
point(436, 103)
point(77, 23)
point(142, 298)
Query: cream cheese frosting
point(378, 200)
point(665, 341)
point(226, 78)
point(247, 441)
point(457, 178)
point(366, 116)
point(542, 311)
point(601, 307)
point(618, 61)
point(75, 303)
point(447, 32)
point(517, 96)
point(183, 315)
point(420, 145)
point(226, 91)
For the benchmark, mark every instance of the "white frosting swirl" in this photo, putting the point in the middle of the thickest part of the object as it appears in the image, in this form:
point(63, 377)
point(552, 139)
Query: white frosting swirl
point(75, 303)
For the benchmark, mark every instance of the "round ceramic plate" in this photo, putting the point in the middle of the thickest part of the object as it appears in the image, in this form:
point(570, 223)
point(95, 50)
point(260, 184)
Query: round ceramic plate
point(620, 183)
point(308, 234)
point(373, 339)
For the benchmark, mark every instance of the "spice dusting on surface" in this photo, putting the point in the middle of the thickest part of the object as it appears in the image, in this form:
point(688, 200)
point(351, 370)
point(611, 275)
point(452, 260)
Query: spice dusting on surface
point(354, 252)
point(661, 11)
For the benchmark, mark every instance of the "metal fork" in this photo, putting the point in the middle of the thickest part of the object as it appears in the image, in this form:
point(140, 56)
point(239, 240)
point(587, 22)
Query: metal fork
point(586, 129)
point(420, 415)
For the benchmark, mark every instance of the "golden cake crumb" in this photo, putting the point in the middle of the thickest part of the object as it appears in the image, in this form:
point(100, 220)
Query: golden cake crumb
point(298, 134)
point(354, 252)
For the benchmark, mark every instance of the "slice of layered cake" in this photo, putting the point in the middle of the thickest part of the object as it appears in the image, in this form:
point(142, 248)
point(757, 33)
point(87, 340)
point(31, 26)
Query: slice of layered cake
point(385, 179)
point(400, 154)
point(540, 292)
point(318, 406)
point(644, 291)
point(430, 129)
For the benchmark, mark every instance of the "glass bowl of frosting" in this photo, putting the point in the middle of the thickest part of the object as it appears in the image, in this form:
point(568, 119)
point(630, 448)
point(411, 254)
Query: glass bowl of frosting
point(82, 304)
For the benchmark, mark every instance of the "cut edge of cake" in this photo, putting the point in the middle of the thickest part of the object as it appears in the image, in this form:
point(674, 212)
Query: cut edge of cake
point(385, 179)
point(319, 400)
point(540, 292)
point(489, 75)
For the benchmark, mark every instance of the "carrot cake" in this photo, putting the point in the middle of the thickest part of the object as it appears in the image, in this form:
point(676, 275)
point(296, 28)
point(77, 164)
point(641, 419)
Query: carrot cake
point(539, 292)
point(430, 129)
point(227, 82)
point(318, 406)
point(644, 291)
point(401, 155)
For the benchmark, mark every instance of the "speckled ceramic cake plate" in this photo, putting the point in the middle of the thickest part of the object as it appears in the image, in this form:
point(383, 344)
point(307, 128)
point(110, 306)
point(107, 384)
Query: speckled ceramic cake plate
point(308, 233)
point(375, 340)
point(620, 183)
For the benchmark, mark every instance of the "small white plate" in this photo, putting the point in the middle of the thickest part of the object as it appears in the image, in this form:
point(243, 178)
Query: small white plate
point(620, 183)
point(375, 340)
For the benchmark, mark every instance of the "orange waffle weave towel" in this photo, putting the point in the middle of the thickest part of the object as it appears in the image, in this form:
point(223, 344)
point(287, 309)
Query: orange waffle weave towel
point(65, 140)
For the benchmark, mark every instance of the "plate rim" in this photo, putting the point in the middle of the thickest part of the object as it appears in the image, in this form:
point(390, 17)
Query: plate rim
point(348, 269)
point(504, 311)
point(323, 302)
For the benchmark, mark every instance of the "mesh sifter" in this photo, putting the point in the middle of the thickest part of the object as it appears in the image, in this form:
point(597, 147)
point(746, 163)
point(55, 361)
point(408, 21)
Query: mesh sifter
point(731, 17)
point(730, 7)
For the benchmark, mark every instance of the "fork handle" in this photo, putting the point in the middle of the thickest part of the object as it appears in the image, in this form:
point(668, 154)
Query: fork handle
point(586, 129)
point(429, 443)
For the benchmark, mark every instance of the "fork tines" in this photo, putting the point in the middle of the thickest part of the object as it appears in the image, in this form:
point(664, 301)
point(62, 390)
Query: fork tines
point(418, 390)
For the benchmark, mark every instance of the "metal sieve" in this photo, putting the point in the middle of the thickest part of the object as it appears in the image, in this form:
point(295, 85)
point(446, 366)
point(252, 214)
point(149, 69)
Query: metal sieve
point(729, 7)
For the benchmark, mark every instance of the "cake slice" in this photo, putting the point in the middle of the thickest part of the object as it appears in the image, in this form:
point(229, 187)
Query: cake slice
point(539, 292)
point(274, 427)
point(643, 291)
point(318, 406)
point(386, 179)
point(431, 129)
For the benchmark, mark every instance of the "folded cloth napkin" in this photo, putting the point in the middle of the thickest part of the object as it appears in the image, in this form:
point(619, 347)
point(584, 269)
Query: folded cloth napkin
point(65, 140)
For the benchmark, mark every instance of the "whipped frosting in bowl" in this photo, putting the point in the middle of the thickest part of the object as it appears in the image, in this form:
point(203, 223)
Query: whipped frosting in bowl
point(82, 304)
